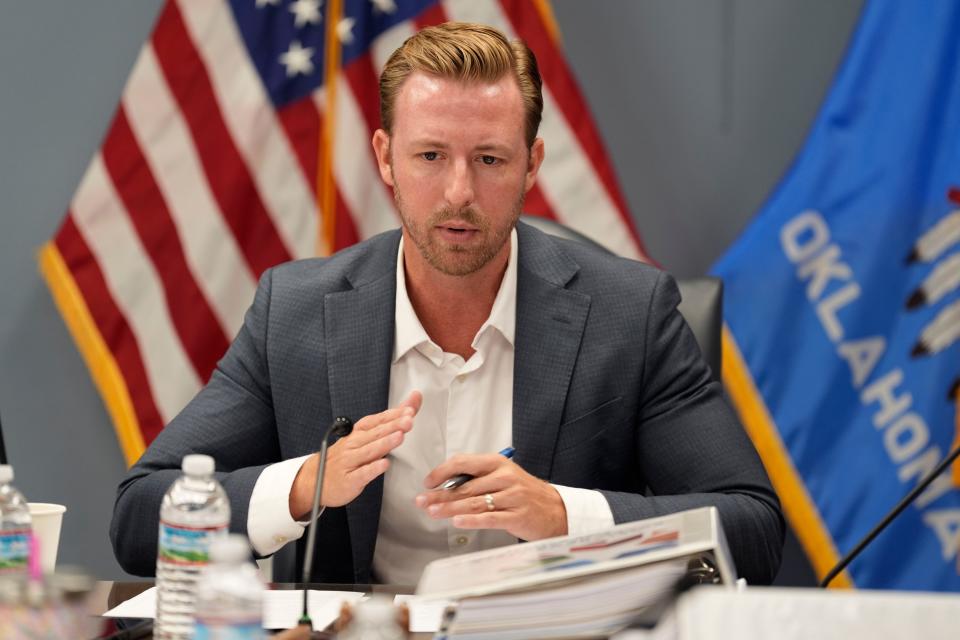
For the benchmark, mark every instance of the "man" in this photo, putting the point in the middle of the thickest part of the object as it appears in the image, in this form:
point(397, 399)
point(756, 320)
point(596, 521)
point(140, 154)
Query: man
point(478, 333)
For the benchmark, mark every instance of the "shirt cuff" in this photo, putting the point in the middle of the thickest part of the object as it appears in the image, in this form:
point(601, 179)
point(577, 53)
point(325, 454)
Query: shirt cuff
point(587, 510)
point(269, 523)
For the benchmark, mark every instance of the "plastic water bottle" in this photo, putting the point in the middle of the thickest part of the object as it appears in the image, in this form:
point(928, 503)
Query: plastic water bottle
point(194, 513)
point(230, 594)
point(15, 529)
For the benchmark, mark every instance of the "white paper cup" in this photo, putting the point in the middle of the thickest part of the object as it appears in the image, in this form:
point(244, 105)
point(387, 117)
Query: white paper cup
point(47, 519)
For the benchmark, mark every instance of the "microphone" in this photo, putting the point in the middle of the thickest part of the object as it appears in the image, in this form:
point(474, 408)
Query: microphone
point(3, 450)
point(341, 426)
point(890, 517)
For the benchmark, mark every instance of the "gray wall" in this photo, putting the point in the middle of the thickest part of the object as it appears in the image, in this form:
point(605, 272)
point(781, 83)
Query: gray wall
point(702, 106)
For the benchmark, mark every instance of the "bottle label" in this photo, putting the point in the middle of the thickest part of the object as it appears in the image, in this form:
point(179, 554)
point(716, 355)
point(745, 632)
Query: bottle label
point(187, 545)
point(14, 550)
point(215, 631)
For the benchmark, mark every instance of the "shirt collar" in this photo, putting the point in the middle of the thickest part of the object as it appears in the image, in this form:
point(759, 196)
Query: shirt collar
point(410, 334)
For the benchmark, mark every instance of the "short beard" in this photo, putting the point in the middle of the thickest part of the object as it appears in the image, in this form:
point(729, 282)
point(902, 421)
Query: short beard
point(458, 260)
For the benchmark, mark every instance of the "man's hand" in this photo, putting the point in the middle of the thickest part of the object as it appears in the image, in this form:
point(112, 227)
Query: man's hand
point(354, 460)
point(524, 506)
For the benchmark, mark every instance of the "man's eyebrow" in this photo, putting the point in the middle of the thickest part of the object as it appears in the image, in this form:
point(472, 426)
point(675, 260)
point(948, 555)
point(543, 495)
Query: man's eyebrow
point(434, 143)
point(430, 142)
point(493, 146)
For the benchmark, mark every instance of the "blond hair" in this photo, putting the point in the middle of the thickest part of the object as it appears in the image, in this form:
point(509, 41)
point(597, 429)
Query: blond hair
point(467, 52)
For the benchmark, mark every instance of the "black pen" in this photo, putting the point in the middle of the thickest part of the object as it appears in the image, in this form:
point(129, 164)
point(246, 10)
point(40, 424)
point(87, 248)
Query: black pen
point(461, 478)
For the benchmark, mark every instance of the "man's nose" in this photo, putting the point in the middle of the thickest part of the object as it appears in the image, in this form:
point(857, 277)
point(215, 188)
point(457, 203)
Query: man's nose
point(459, 191)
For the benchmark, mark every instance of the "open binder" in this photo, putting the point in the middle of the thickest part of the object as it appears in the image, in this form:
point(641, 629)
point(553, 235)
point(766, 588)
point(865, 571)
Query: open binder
point(579, 586)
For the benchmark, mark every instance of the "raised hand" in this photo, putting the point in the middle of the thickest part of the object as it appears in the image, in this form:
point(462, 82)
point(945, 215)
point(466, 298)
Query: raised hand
point(356, 459)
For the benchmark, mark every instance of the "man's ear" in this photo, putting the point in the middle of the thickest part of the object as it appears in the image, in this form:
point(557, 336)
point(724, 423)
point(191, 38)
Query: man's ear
point(533, 163)
point(381, 148)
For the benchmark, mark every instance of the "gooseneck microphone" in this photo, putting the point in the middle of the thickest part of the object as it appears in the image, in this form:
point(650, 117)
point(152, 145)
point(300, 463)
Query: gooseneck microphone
point(341, 426)
point(887, 519)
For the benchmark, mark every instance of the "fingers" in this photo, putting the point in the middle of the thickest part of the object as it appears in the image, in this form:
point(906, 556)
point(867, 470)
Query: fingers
point(367, 423)
point(376, 435)
point(489, 520)
point(520, 504)
point(378, 425)
point(505, 500)
point(498, 480)
point(356, 459)
point(402, 422)
point(474, 464)
point(414, 401)
point(367, 473)
point(359, 456)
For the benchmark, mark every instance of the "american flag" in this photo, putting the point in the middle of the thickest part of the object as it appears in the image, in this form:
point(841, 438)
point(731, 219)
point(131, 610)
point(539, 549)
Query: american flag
point(230, 153)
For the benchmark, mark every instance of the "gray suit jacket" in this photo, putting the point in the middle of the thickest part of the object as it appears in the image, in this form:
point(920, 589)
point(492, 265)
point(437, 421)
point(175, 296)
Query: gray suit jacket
point(610, 393)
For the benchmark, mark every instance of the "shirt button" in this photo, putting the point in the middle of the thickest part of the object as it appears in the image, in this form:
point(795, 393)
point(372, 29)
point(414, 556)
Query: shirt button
point(279, 539)
point(461, 540)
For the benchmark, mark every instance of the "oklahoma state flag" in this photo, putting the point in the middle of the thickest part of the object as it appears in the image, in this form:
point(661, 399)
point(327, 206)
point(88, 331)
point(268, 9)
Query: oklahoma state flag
point(842, 342)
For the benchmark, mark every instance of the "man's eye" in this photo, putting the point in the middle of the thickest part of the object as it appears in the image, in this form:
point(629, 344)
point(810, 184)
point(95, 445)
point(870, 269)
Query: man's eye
point(488, 160)
point(429, 155)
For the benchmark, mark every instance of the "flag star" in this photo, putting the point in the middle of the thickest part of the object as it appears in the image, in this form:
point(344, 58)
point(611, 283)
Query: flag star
point(297, 59)
point(306, 12)
point(384, 6)
point(264, 3)
point(345, 30)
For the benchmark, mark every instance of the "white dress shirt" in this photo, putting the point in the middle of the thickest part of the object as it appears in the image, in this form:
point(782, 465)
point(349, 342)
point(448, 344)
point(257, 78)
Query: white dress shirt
point(467, 408)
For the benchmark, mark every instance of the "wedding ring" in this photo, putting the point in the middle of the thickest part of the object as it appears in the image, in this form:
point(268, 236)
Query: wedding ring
point(489, 500)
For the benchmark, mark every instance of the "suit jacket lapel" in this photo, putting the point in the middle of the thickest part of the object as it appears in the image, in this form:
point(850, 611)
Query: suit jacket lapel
point(359, 336)
point(550, 323)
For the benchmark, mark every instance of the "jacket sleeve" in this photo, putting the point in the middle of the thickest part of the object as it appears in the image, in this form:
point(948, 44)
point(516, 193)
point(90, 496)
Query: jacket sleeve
point(692, 450)
point(231, 419)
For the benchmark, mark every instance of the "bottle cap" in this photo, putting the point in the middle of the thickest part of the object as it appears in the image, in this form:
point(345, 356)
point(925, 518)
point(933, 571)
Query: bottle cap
point(6, 473)
point(230, 549)
point(197, 464)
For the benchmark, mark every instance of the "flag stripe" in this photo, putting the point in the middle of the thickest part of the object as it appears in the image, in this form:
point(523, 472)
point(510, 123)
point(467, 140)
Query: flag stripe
point(196, 325)
point(364, 83)
point(111, 325)
point(249, 129)
point(346, 233)
point(215, 260)
point(365, 195)
point(132, 280)
point(301, 124)
point(357, 175)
